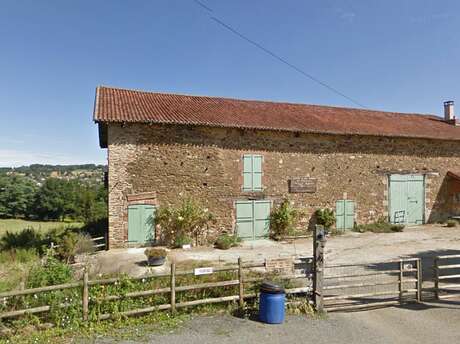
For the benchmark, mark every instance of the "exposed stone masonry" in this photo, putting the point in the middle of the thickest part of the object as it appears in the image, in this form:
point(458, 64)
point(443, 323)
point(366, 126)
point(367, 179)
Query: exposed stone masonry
point(204, 163)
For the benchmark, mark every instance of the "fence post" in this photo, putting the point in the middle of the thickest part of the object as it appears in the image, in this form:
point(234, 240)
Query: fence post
point(319, 241)
point(173, 287)
point(419, 279)
point(240, 282)
point(436, 278)
point(401, 277)
point(85, 296)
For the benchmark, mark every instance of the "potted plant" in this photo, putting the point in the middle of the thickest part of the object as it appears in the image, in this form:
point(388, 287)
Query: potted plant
point(155, 256)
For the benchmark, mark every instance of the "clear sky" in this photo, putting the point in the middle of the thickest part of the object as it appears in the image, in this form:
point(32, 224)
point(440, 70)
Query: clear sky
point(397, 55)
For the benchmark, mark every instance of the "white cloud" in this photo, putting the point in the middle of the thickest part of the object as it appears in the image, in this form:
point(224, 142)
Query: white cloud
point(345, 15)
point(14, 158)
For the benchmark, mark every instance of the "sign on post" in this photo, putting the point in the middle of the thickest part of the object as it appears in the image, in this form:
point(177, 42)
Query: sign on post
point(203, 271)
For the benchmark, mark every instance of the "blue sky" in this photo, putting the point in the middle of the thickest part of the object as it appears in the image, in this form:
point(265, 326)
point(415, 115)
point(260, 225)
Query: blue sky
point(400, 55)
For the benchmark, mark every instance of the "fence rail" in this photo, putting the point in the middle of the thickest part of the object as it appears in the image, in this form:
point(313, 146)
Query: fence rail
point(343, 287)
point(447, 276)
point(242, 282)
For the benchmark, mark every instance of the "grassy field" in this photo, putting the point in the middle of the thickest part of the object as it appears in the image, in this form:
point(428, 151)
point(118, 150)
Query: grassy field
point(16, 225)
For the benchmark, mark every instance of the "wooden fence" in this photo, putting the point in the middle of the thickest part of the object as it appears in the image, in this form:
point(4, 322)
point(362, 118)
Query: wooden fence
point(99, 243)
point(356, 286)
point(447, 276)
point(245, 276)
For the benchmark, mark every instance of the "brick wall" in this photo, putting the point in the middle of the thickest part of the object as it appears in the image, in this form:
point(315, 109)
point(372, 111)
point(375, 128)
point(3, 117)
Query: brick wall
point(175, 162)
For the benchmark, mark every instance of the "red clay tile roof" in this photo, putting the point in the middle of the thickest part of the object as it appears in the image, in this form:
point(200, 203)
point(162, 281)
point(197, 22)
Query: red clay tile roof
point(121, 105)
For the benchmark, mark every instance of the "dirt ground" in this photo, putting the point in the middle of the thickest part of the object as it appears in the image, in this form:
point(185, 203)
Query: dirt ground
point(417, 324)
point(350, 248)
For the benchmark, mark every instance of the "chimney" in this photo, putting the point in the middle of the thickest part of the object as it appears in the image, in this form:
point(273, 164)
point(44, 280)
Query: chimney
point(449, 115)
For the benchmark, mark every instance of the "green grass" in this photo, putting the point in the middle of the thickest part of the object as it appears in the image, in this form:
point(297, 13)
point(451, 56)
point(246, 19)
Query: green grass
point(16, 225)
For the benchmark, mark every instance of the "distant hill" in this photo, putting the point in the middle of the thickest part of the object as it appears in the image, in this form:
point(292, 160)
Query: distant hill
point(90, 173)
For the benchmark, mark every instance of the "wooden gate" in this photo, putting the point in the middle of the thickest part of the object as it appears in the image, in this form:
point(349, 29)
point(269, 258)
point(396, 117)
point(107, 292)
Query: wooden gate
point(356, 286)
point(447, 276)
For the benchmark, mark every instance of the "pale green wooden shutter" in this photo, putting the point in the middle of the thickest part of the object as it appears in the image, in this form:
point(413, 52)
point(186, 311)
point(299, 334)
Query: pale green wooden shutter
point(340, 214)
point(244, 219)
point(252, 172)
point(247, 172)
point(261, 219)
point(134, 223)
point(349, 214)
point(344, 214)
point(141, 223)
point(253, 219)
point(256, 172)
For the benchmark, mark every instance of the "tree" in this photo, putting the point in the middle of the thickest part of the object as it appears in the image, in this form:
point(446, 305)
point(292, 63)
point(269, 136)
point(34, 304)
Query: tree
point(16, 196)
point(92, 203)
point(56, 199)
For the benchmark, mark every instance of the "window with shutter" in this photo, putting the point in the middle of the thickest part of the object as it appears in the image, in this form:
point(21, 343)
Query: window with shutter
point(252, 172)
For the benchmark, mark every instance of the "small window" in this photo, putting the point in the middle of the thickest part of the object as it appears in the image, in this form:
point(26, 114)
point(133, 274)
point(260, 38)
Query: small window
point(252, 172)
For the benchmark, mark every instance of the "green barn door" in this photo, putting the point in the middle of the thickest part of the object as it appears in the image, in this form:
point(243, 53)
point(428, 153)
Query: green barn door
point(415, 199)
point(261, 219)
point(141, 223)
point(244, 220)
point(407, 198)
point(344, 214)
point(253, 219)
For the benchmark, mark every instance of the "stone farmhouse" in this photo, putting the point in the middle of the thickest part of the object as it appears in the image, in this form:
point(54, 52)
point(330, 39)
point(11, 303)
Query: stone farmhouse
point(239, 158)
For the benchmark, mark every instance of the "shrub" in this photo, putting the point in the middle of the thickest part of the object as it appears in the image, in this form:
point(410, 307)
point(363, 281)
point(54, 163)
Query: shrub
point(380, 226)
point(225, 241)
point(26, 239)
point(72, 243)
point(51, 272)
point(451, 223)
point(283, 220)
point(325, 217)
point(189, 220)
point(181, 240)
point(155, 252)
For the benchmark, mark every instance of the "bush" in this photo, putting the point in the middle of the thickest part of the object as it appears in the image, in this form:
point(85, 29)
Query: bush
point(380, 226)
point(325, 217)
point(51, 272)
point(451, 223)
point(155, 252)
point(72, 243)
point(182, 240)
point(225, 241)
point(189, 220)
point(25, 239)
point(283, 220)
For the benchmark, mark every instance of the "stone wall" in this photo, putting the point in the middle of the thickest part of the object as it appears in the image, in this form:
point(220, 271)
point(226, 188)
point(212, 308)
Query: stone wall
point(175, 162)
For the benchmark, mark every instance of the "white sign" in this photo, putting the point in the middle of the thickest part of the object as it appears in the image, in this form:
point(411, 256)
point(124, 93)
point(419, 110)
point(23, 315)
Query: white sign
point(203, 271)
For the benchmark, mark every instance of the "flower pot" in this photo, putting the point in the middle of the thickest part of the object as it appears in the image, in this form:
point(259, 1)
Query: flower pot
point(156, 261)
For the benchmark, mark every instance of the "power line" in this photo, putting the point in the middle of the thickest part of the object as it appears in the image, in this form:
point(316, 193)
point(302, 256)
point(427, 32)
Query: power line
point(274, 55)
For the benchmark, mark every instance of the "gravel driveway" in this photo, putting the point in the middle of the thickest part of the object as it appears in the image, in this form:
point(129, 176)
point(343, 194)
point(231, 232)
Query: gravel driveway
point(418, 324)
point(350, 248)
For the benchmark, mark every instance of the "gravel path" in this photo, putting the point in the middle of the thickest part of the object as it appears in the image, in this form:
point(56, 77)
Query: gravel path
point(418, 324)
point(350, 248)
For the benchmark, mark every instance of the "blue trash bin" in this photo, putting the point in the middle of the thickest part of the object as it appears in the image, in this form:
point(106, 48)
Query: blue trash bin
point(271, 306)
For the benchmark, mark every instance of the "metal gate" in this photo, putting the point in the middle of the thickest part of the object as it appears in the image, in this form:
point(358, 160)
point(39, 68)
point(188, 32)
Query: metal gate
point(355, 286)
point(447, 276)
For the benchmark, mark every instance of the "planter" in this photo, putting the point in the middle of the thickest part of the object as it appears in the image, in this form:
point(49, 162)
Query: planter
point(156, 261)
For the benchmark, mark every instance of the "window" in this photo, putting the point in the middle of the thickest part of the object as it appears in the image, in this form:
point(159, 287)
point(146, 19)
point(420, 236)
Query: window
point(252, 172)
